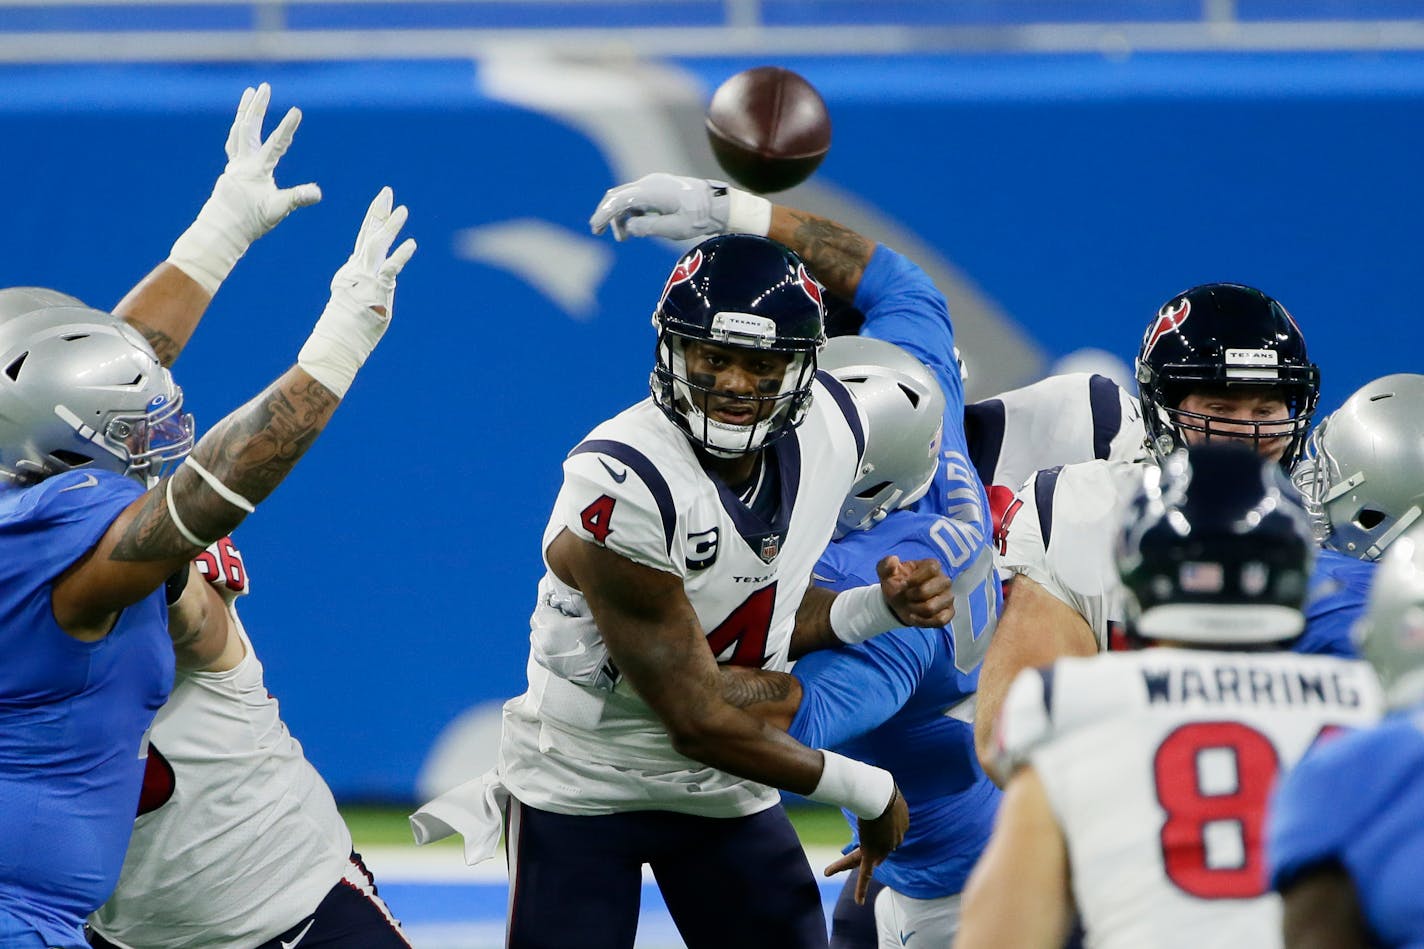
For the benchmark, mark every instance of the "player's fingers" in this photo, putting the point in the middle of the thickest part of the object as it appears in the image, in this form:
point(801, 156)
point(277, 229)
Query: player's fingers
point(276, 145)
point(842, 863)
point(923, 570)
point(888, 566)
point(302, 196)
point(862, 882)
point(938, 611)
point(234, 130)
point(398, 259)
point(386, 235)
point(656, 225)
point(378, 211)
point(936, 584)
point(608, 208)
point(251, 135)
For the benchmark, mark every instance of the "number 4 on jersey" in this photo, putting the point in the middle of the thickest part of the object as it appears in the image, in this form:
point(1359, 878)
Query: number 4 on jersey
point(749, 626)
point(596, 516)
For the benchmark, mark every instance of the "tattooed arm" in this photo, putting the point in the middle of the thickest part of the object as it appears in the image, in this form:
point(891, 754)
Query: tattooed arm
point(248, 453)
point(835, 254)
point(772, 697)
point(165, 307)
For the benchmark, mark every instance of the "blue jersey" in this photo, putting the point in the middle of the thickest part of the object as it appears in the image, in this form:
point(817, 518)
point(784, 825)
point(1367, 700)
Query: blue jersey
point(1359, 801)
point(884, 701)
point(903, 306)
point(1339, 587)
point(72, 714)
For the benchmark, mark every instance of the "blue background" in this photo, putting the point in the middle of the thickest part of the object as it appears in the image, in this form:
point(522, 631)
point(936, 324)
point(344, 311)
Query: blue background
point(393, 573)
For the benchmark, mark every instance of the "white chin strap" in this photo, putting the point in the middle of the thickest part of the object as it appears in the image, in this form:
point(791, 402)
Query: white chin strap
point(724, 439)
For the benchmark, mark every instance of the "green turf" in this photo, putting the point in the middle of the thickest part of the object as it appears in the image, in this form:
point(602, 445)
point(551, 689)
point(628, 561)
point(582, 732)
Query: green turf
point(388, 826)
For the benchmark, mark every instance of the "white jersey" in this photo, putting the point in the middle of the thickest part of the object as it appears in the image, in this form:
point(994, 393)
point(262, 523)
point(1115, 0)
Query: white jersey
point(1158, 766)
point(238, 837)
point(1061, 420)
point(581, 741)
point(1060, 531)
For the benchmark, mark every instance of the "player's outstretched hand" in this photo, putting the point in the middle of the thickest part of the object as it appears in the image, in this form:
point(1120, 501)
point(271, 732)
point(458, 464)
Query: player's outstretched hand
point(246, 202)
point(917, 590)
point(877, 838)
point(679, 208)
point(362, 298)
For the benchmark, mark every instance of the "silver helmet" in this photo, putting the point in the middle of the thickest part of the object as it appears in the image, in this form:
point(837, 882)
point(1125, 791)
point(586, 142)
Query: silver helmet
point(1363, 470)
point(17, 301)
point(904, 411)
point(81, 388)
point(1391, 633)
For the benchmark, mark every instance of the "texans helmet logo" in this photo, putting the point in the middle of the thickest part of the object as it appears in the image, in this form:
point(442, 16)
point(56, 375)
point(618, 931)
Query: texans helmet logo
point(1169, 319)
point(808, 283)
point(685, 270)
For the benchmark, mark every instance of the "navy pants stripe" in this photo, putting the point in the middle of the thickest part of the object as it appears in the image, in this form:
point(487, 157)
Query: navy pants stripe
point(728, 882)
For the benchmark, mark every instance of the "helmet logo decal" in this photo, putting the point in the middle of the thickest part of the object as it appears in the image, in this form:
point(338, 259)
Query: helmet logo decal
point(812, 288)
point(1169, 319)
point(685, 270)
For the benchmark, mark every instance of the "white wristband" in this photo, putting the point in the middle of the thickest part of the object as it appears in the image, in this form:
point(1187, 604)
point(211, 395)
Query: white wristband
point(209, 249)
point(860, 788)
point(859, 613)
point(747, 213)
point(328, 359)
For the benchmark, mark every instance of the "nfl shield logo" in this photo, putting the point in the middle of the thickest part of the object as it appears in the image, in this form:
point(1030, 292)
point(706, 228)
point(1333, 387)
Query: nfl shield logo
point(770, 547)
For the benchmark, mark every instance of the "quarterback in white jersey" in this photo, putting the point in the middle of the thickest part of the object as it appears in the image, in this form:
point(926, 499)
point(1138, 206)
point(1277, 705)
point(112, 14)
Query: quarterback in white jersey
point(1218, 362)
point(238, 841)
point(684, 535)
point(1140, 780)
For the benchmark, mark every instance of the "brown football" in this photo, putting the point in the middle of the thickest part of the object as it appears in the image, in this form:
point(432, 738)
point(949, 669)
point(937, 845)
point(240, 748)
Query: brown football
point(769, 128)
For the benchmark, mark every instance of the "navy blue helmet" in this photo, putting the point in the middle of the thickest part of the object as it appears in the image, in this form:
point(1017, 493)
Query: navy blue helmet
point(1216, 550)
point(747, 292)
point(1224, 335)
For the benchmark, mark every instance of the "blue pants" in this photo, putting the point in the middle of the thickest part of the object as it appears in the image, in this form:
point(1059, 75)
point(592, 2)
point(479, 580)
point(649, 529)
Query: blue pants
point(728, 882)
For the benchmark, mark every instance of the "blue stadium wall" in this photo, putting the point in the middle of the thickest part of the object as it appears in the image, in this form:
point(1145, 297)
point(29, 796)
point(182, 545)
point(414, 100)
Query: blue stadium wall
point(1065, 197)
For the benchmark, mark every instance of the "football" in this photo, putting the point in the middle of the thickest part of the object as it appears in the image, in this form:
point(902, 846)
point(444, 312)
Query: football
point(769, 128)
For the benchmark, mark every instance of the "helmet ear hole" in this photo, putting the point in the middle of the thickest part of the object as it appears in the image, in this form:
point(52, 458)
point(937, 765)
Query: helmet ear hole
point(1369, 518)
point(13, 370)
point(873, 490)
point(910, 394)
point(71, 458)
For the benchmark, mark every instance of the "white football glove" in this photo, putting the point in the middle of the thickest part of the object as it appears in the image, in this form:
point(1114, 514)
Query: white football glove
point(246, 202)
point(363, 294)
point(679, 208)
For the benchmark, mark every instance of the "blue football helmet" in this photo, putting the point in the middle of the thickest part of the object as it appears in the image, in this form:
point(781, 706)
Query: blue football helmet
point(1216, 550)
point(742, 291)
